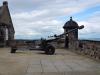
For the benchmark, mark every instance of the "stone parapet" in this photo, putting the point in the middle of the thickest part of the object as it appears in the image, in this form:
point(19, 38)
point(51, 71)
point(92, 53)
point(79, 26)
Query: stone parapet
point(89, 48)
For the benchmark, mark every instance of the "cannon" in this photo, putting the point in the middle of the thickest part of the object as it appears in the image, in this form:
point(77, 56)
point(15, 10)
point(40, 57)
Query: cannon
point(49, 49)
point(43, 46)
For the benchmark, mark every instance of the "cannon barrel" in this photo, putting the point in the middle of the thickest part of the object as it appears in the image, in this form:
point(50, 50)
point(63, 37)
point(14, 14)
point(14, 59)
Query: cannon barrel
point(81, 27)
point(59, 36)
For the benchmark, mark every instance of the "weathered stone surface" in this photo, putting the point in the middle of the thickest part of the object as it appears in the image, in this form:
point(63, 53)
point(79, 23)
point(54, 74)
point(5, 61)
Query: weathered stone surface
point(6, 26)
point(36, 63)
point(90, 48)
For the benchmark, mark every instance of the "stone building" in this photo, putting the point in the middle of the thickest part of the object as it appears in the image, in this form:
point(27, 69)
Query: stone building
point(6, 25)
point(71, 39)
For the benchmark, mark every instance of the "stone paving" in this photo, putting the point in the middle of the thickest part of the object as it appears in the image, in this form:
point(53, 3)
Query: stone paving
point(37, 63)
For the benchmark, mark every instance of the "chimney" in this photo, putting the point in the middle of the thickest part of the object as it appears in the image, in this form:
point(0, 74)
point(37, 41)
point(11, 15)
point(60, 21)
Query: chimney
point(5, 3)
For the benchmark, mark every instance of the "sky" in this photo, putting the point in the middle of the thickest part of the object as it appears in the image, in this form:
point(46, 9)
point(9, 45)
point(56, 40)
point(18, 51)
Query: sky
point(33, 19)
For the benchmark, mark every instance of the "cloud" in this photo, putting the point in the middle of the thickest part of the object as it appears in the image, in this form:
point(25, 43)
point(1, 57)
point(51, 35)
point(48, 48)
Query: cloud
point(92, 26)
point(30, 26)
point(39, 18)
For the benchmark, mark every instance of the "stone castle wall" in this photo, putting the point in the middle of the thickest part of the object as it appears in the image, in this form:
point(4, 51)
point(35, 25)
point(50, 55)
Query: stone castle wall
point(89, 48)
point(85, 47)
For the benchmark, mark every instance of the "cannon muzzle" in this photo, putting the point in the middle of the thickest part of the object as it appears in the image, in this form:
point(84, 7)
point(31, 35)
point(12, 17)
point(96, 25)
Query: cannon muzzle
point(81, 27)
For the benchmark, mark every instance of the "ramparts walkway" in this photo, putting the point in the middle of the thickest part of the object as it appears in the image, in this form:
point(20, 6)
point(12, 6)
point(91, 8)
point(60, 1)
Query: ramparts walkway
point(36, 63)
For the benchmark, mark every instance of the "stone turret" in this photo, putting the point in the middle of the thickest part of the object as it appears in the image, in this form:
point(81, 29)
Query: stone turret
point(71, 38)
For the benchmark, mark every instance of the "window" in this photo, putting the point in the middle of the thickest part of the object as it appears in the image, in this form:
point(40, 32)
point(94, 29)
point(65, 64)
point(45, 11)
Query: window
point(6, 34)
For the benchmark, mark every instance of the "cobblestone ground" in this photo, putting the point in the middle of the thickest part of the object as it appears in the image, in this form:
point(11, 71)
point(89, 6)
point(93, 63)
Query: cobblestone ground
point(37, 63)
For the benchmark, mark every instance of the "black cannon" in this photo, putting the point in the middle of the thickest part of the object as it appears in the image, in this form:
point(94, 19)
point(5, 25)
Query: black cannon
point(44, 45)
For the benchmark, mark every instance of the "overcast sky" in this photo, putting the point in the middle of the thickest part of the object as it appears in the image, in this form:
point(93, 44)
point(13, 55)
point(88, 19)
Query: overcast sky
point(34, 19)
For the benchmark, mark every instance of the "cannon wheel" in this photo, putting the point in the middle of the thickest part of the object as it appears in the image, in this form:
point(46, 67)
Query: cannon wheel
point(13, 50)
point(50, 50)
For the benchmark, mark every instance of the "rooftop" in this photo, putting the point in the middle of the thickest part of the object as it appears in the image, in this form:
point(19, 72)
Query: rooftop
point(70, 24)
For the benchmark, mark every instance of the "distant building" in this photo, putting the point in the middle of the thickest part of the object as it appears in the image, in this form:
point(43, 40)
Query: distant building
point(6, 26)
point(71, 39)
